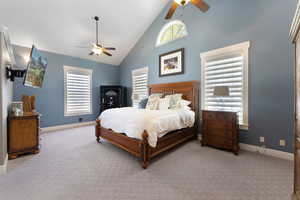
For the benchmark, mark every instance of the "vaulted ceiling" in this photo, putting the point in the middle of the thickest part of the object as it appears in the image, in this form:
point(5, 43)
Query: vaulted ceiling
point(62, 26)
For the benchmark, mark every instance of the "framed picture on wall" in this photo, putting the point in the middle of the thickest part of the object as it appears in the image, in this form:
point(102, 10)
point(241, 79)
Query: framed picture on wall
point(36, 69)
point(171, 63)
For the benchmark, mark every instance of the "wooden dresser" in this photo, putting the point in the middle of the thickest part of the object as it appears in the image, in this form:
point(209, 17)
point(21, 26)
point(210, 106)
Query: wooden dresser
point(23, 134)
point(220, 130)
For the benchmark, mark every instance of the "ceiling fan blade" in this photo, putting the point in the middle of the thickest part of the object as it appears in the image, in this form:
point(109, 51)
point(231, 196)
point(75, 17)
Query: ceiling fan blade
point(172, 10)
point(106, 53)
point(201, 5)
point(99, 45)
point(92, 53)
point(110, 48)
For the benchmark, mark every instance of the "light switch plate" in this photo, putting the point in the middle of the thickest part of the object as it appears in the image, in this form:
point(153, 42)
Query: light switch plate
point(282, 143)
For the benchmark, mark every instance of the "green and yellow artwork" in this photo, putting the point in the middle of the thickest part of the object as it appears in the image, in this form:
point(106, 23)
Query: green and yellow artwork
point(36, 69)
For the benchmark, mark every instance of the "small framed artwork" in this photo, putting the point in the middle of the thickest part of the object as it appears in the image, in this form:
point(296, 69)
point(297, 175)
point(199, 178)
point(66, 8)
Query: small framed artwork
point(171, 63)
point(16, 108)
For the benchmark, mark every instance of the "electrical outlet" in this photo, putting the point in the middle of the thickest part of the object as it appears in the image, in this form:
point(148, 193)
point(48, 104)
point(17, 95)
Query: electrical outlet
point(262, 139)
point(282, 143)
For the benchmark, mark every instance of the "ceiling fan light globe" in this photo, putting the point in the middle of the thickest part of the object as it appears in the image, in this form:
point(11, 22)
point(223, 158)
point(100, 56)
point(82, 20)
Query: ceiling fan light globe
point(97, 51)
point(182, 2)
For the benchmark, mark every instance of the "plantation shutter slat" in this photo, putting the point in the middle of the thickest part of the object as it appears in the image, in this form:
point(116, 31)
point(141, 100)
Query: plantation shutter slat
point(78, 94)
point(139, 85)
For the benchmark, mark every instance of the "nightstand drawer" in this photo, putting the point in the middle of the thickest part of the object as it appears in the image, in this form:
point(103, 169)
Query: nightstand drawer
point(218, 116)
point(219, 142)
point(218, 131)
point(218, 125)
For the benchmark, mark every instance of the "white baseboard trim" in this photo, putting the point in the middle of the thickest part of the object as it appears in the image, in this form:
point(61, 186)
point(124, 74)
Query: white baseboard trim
point(264, 151)
point(66, 126)
point(268, 151)
point(4, 166)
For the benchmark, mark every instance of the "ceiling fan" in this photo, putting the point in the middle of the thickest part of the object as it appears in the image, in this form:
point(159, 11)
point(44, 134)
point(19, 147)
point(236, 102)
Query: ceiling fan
point(97, 49)
point(198, 3)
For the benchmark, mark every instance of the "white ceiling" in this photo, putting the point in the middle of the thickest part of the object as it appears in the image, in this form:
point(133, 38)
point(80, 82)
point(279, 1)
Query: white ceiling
point(62, 25)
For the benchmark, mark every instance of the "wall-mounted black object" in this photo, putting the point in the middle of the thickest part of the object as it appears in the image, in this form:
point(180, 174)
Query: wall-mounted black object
point(14, 73)
point(112, 96)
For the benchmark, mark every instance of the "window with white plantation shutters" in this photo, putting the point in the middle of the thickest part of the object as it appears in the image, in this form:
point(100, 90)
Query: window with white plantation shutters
point(226, 67)
point(78, 91)
point(139, 85)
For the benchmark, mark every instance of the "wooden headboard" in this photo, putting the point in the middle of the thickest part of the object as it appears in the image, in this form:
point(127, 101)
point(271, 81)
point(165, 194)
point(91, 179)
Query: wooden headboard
point(189, 91)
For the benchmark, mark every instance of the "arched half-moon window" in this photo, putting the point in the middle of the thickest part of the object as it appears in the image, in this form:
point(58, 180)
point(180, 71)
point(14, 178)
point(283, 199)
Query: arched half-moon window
point(171, 31)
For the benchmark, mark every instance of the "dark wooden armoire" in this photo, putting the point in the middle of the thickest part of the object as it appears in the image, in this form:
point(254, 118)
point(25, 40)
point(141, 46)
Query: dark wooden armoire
point(112, 96)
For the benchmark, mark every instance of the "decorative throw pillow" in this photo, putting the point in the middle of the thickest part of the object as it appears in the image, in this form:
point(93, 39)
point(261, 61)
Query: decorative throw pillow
point(174, 98)
point(153, 101)
point(156, 95)
point(143, 103)
point(183, 104)
point(164, 103)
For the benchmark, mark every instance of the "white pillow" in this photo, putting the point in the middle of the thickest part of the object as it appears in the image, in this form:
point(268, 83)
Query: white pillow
point(183, 104)
point(186, 108)
point(174, 98)
point(153, 102)
point(164, 103)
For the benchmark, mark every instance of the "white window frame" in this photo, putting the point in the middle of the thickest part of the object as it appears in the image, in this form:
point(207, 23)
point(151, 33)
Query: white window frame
point(165, 27)
point(242, 48)
point(79, 70)
point(137, 71)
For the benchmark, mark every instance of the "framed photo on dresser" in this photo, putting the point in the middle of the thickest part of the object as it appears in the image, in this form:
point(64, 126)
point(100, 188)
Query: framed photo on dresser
point(171, 63)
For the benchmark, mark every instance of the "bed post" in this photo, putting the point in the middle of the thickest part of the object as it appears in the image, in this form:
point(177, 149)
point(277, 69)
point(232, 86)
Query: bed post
point(98, 130)
point(145, 150)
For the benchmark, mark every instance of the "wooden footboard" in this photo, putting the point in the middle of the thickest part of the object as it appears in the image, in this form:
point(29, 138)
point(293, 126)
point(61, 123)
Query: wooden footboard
point(173, 139)
point(129, 144)
point(141, 148)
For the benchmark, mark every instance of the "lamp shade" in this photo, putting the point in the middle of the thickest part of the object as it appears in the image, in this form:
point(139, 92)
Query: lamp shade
point(221, 91)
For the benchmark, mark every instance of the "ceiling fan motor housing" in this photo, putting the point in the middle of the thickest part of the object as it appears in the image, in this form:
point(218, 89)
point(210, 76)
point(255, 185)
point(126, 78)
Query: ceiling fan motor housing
point(182, 2)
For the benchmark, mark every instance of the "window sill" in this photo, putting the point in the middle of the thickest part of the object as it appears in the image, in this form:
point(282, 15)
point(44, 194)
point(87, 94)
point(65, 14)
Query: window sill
point(76, 114)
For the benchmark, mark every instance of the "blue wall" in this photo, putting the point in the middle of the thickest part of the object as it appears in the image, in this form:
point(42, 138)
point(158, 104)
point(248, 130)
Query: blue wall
point(266, 24)
point(50, 98)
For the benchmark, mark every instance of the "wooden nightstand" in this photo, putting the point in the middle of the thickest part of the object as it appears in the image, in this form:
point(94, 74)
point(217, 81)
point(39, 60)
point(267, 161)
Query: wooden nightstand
point(220, 130)
point(23, 134)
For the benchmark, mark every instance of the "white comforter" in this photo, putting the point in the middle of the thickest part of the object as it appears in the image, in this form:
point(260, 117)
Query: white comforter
point(157, 123)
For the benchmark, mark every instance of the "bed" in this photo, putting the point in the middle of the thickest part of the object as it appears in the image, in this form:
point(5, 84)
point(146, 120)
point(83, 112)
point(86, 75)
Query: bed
point(141, 147)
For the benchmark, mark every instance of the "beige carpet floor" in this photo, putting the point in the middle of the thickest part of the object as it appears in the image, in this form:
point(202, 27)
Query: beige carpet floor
point(72, 166)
